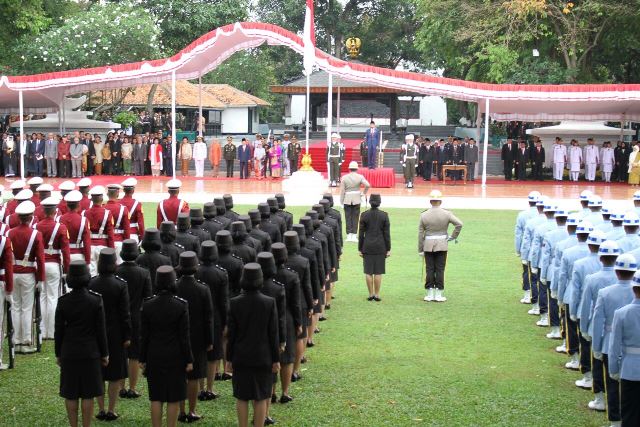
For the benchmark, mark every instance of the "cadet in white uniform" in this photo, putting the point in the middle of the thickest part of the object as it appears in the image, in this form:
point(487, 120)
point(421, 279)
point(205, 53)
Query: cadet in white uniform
point(591, 160)
point(607, 158)
point(559, 159)
point(575, 160)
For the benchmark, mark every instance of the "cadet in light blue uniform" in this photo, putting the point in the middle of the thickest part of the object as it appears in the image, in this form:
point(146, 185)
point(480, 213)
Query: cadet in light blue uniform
point(595, 210)
point(551, 238)
point(617, 230)
point(549, 224)
point(583, 267)
point(521, 222)
point(525, 247)
point(624, 356)
point(605, 226)
point(569, 257)
point(609, 300)
point(608, 252)
point(636, 202)
point(630, 240)
point(584, 202)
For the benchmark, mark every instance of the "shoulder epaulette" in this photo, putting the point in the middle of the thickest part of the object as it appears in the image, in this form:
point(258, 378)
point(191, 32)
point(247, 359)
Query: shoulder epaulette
point(221, 268)
point(180, 299)
point(278, 283)
point(149, 298)
point(201, 282)
point(290, 269)
point(237, 257)
point(119, 278)
point(95, 293)
point(178, 245)
point(215, 220)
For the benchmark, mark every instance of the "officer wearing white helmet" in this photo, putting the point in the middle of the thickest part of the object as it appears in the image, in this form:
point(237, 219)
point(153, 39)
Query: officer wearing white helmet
point(585, 195)
point(433, 244)
point(335, 157)
point(605, 226)
point(525, 247)
point(521, 222)
point(408, 156)
point(617, 230)
point(595, 210)
point(351, 193)
point(608, 252)
point(630, 240)
point(609, 300)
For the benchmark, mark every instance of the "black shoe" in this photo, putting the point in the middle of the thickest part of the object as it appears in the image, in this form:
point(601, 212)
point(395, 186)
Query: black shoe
point(317, 331)
point(370, 298)
point(211, 395)
point(218, 377)
point(124, 394)
point(310, 344)
point(322, 319)
point(183, 418)
point(226, 376)
point(192, 418)
point(295, 377)
point(332, 297)
point(327, 307)
point(268, 421)
point(274, 398)
point(101, 416)
point(303, 360)
point(285, 399)
point(132, 394)
point(202, 396)
point(377, 299)
point(110, 416)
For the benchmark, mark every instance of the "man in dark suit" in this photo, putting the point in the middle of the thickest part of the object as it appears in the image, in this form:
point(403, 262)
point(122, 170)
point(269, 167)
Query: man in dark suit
point(36, 154)
point(426, 157)
point(455, 156)
point(440, 157)
point(521, 159)
point(537, 160)
point(507, 157)
point(244, 157)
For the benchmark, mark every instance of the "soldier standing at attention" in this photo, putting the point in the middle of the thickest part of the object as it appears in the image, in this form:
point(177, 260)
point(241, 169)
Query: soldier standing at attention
point(433, 238)
point(372, 141)
point(350, 197)
point(169, 209)
point(334, 159)
point(229, 154)
point(293, 153)
point(374, 245)
point(408, 157)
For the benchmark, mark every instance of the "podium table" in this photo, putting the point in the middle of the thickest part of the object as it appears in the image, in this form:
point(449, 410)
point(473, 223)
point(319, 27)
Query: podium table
point(446, 168)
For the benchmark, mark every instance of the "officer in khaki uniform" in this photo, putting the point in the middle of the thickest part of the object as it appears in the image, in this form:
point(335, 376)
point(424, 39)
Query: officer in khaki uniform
point(350, 197)
point(433, 243)
point(293, 154)
point(229, 154)
point(335, 152)
point(408, 159)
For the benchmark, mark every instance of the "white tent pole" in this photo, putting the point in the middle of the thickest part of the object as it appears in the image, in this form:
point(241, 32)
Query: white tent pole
point(622, 127)
point(486, 143)
point(338, 111)
point(306, 117)
point(173, 122)
point(60, 119)
point(478, 122)
point(22, 145)
point(64, 117)
point(199, 121)
point(329, 107)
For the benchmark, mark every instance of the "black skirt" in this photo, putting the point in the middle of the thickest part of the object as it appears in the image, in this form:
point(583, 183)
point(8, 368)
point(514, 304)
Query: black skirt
point(374, 263)
point(289, 353)
point(133, 351)
point(81, 379)
point(252, 383)
point(166, 384)
point(216, 353)
point(199, 365)
point(117, 368)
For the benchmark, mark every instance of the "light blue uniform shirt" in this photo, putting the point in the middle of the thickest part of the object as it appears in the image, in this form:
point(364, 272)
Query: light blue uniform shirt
point(605, 226)
point(628, 242)
point(538, 237)
point(527, 237)
point(609, 300)
point(521, 222)
point(615, 233)
point(624, 349)
point(551, 239)
point(581, 269)
point(569, 258)
point(594, 218)
point(563, 245)
point(592, 284)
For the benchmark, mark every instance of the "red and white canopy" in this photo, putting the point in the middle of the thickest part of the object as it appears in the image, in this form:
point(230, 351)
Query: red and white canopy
point(44, 92)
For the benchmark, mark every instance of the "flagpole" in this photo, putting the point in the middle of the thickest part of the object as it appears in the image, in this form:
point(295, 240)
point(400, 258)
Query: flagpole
point(306, 117)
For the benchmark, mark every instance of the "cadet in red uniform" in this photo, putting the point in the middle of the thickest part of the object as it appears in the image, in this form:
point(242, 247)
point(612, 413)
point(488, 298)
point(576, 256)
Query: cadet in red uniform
point(56, 263)
point(100, 225)
point(136, 216)
point(83, 186)
point(28, 272)
point(33, 184)
point(13, 220)
point(78, 228)
point(65, 187)
point(16, 187)
point(44, 192)
point(120, 215)
point(6, 279)
point(169, 209)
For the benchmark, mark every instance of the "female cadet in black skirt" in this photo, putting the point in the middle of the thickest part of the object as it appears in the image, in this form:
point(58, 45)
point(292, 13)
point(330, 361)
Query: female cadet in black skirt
point(80, 344)
point(252, 346)
point(374, 245)
point(165, 349)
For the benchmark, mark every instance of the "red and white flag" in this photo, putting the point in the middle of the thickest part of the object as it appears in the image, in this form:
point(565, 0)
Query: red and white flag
point(309, 39)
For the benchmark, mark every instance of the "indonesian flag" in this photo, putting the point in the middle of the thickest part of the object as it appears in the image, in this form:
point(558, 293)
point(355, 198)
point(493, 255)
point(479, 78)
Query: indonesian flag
point(309, 39)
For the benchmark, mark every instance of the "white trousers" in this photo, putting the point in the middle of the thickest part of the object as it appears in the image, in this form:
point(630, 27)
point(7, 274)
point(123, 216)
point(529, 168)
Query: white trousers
point(95, 254)
point(24, 286)
point(3, 325)
point(49, 298)
point(558, 170)
point(606, 176)
point(78, 257)
point(118, 247)
point(590, 171)
point(575, 175)
point(199, 168)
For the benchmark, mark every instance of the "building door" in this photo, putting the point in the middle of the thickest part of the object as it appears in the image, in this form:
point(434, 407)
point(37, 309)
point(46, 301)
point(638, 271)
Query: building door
point(250, 118)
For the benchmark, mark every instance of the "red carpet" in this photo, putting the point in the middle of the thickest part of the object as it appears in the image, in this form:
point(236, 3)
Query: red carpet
point(318, 152)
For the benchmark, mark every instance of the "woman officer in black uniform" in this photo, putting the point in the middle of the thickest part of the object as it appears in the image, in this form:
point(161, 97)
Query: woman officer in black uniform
point(374, 245)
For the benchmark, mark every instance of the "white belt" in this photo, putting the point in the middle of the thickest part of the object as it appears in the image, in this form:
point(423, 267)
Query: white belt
point(52, 251)
point(98, 236)
point(337, 155)
point(76, 245)
point(24, 263)
point(133, 224)
point(118, 231)
point(632, 350)
point(353, 192)
point(2, 272)
point(410, 157)
point(444, 236)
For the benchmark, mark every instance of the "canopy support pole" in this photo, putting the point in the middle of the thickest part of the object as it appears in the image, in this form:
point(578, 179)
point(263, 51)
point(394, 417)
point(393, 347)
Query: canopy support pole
point(60, 119)
point(306, 116)
point(199, 121)
point(622, 127)
point(329, 108)
point(173, 122)
point(338, 111)
point(486, 142)
point(64, 117)
point(22, 145)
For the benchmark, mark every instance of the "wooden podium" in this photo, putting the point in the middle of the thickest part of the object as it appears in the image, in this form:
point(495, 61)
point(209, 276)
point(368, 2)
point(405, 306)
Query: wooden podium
point(446, 168)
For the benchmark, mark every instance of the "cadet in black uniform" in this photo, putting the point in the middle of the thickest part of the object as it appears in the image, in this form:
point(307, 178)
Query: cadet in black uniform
point(139, 288)
point(228, 205)
point(326, 231)
point(318, 238)
point(287, 216)
point(216, 278)
point(115, 298)
point(334, 213)
point(253, 345)
point(250, 240)
point(80, 344)
point(170, 248)
point(300, 265)
point(374, 245)
point(295, 329)
point(196, 218)
point(165, 349)
point(211, 223)
point(257, 233)
point(267, 225)
point(229, 262)
point(275, 218)
point(151, 259)
point(184, 237)
point(200, 308)
point(221, 210)
point(240, 247)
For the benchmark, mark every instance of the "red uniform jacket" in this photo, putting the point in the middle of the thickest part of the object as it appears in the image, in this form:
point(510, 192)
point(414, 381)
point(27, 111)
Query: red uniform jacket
point(136, 216)
point(85, 203)
point(39, 214)
point(10, 208)
point(79, 234)
point(63, 151)
point(32, 262)
point(171, 207)
point(58, 250)
point(6, 273)
point(101, 226)
point(62, 208)
point(13, 221)
point(121, 224)
point(36, 200)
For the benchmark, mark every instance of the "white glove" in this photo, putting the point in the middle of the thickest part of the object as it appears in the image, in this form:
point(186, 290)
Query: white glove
point(525, 262)
point(554, 294)
point(543, 281)
point(9, 298)
point(615, 376)
point(39, 286)
point(534, 270)
point(586, 337)
point(574, 318)
point(597, 355)
point(421, 253)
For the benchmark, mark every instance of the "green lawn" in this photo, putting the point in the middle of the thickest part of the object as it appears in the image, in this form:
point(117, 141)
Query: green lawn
point(478, 359)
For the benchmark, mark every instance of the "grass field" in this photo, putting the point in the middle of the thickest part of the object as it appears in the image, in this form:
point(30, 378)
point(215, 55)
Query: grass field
point(476, 360)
